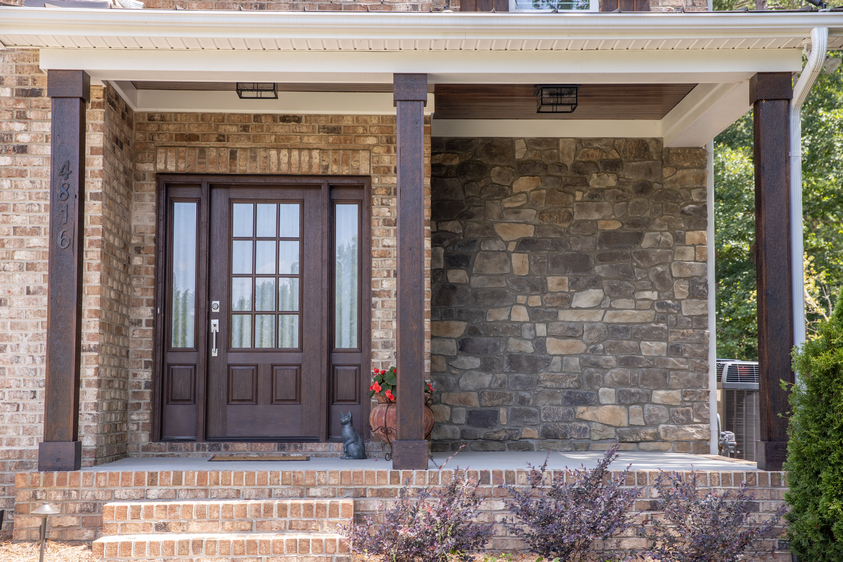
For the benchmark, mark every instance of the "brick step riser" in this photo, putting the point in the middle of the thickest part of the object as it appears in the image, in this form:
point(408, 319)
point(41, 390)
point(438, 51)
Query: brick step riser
point(132, 518)
point(134, 548)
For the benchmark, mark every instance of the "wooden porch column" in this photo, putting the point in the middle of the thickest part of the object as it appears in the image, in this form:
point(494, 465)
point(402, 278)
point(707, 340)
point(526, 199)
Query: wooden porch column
point(409, 450)
point(770, 94)
point(70, 91)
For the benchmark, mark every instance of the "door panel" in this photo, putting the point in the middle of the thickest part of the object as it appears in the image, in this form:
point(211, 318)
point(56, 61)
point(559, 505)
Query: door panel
point(270, 314)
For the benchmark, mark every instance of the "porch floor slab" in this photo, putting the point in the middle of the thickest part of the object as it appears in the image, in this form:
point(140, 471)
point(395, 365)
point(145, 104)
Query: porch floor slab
point(474, 460)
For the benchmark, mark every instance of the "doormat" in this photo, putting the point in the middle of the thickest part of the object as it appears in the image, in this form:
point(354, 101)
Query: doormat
point(220, 458)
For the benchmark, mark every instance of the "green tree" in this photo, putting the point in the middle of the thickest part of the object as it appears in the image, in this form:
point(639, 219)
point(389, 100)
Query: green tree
point(734, 212)
point(814, 456)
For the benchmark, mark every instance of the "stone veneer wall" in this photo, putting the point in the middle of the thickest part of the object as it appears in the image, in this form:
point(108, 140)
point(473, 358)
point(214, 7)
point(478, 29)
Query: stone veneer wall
point(204, 143)
point(569, 295)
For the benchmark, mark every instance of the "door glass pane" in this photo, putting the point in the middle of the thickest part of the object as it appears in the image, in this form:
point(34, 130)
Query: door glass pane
point(265, 330)
point(265, 294)
point(288, 295)
point(241, 294)
point(184, 275)
point(243, 219)
point(346, 276)
point(288, 257)
point(266, 219)
point(241, 258)
point(289, 220)
point(265, 257)
point(241, 330)
point(288, 331)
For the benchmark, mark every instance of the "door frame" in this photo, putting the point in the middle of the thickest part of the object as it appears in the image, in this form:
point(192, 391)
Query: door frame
point(162, 278)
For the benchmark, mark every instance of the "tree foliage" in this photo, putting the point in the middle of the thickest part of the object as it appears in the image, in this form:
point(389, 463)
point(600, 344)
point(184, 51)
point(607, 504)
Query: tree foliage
point(815, 457)
point(734, 212)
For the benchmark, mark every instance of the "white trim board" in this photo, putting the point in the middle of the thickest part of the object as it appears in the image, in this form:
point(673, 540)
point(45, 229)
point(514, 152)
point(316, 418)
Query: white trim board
point(298, 103)
point(630, 67)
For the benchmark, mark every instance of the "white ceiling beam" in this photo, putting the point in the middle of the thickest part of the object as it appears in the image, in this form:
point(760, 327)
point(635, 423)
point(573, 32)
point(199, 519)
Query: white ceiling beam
point(561, 128)
point(299, 103)
point(703, 115)
point(451, 67)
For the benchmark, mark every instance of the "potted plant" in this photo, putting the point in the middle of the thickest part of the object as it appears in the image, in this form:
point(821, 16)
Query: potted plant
point(382, 418)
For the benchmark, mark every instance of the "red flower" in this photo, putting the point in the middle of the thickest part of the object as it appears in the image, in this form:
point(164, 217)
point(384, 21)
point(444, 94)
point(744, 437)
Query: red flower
point(376, 387)
point(389, 395)
point(430, 386)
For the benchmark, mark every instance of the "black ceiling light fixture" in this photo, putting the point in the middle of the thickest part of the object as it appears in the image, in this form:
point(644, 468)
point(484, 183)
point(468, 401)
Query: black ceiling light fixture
point(558, 98)
point(257, 91)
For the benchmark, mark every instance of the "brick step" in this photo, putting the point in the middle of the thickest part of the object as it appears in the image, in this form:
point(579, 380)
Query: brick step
point(225, 516)
point(239, 547)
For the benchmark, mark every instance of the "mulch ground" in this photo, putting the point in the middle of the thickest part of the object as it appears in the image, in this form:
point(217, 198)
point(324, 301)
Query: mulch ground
point(55, 552)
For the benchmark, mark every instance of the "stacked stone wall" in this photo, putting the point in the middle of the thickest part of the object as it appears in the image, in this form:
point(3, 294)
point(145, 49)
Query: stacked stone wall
point(569, 295)
point(204, 143)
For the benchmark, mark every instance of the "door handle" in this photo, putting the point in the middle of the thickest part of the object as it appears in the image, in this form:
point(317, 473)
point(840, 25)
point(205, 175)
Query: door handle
point(215, 328)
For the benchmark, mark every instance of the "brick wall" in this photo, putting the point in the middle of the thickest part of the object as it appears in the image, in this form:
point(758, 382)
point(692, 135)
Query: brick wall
point(569, 295)
point(81, 495)
point(24, 173)
point(256, 144)
point(104, 398)
point(370, 5)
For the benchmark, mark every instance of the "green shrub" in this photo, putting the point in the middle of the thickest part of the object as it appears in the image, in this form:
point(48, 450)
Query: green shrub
point(815, 451)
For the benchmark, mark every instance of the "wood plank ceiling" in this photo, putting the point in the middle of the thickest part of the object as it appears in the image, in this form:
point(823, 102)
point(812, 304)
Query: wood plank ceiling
point(595, 101)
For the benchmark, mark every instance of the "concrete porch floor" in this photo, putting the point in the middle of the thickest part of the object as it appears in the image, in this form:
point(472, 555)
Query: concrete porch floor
point(474, 460)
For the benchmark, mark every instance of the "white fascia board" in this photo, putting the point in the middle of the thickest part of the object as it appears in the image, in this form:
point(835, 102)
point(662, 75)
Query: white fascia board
point(703, 117)
point(561, 128)
point(442, 67)
point(299, 103)
point(27, 22)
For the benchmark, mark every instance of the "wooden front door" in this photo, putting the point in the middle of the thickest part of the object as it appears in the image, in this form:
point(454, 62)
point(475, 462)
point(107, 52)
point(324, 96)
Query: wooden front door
point(266, 313)
point(263, 331)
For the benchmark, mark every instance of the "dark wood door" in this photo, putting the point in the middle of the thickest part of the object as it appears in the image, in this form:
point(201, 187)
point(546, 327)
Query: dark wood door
point(267, 313)
point(263, 315)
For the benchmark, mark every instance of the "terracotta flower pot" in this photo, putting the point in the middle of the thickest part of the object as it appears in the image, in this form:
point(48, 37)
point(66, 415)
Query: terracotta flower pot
point(382, 420)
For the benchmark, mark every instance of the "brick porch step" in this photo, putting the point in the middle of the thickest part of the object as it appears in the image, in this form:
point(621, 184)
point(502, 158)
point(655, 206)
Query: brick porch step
point(264, 530)
point(239, 547)
point(225, 516)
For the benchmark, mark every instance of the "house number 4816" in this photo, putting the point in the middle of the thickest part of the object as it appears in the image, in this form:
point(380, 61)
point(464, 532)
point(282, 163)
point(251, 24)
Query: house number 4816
point(64, 240)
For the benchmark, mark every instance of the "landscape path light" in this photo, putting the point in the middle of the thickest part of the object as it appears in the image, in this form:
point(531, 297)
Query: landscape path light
point(44, 511)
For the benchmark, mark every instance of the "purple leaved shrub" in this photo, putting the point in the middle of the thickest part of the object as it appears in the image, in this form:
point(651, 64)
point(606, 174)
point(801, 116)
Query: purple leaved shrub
point(560, 515)
point(424, 525)
point(696, 527)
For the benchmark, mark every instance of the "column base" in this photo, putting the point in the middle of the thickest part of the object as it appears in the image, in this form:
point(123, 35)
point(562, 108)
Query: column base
point(770, 455)
point(409, 455)
point(59, 456)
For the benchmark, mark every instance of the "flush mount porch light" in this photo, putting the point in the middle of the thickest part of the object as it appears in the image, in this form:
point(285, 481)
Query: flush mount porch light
point(557, 98)
point(257, 91)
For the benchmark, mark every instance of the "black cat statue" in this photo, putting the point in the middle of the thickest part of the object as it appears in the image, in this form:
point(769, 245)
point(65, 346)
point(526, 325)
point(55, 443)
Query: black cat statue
point(351, 441)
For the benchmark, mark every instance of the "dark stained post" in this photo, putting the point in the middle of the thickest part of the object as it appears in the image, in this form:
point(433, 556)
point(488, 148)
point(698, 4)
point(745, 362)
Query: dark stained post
point(770, 94)
point(409, 450)
point(70, 91)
